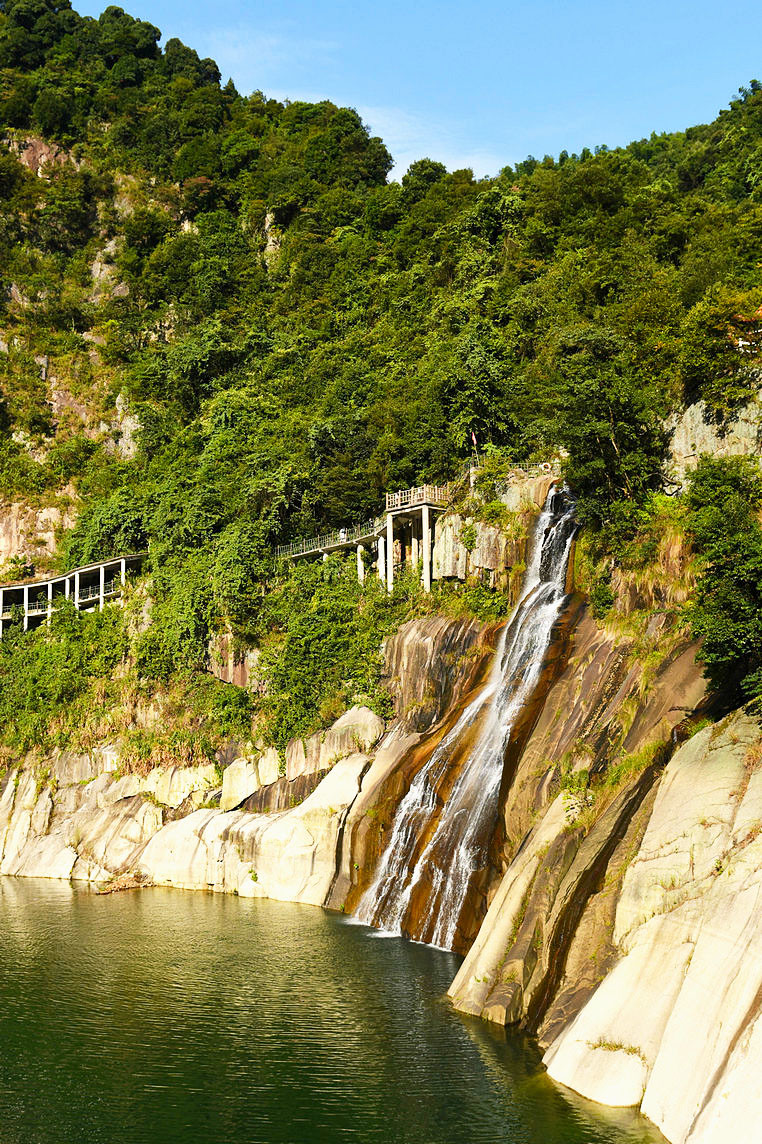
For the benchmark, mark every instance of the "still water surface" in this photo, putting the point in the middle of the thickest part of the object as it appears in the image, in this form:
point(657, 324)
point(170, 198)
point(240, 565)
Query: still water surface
point(170, 1017)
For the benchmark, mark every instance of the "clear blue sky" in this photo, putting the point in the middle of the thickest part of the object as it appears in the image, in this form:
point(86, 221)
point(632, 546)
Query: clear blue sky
point(485, 84)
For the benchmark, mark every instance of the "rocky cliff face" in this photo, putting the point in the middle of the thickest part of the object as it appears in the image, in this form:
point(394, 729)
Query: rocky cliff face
point(622, 922)
point(429, 662)
point(560, 840)
point(465, 546)
point(676, 1024)
point(77, 817)
point(694, 433)
point(31, 532)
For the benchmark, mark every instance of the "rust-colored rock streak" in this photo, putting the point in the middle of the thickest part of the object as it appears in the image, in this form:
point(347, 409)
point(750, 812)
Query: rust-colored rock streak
point(437, 854)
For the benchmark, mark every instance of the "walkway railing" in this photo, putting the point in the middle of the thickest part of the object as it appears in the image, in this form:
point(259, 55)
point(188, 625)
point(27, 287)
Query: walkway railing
point(424, 494)
point(42, 597)
point(329, 540)
point(438, 495)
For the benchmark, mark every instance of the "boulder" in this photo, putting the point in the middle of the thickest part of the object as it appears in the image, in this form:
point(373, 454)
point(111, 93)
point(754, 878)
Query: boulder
point(239, 780)
point(172, 785)
point(357, 730)
point(268, 766)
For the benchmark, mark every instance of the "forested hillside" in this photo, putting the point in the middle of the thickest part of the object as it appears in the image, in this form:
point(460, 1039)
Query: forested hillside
point(222, 327)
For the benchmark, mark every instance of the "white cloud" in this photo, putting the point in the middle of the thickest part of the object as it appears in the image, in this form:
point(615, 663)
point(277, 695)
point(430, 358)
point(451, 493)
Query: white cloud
point(409, 137)
point(260, 60)
point(257, 59)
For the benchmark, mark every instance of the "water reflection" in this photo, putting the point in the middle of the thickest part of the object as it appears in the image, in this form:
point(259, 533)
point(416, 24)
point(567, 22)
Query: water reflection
point(172, 1017)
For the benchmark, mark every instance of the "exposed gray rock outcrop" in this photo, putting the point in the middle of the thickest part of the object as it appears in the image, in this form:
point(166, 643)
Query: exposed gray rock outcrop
point(694, 433)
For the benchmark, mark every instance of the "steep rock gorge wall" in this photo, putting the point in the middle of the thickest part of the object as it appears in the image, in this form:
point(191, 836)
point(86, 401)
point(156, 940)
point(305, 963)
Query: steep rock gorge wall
point(622, 931)
point(595, 713)
point(676, 1024)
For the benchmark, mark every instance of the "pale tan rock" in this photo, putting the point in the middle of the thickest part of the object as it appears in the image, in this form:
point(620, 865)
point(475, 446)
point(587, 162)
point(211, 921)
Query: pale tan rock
point(47, 857)
point(450, 557)
point(268, 765)
point(31, 532)
point(108, 757)
point(296, 758)
point(239, 780)
point(15, 839)
point(733, 1111)
point(290, 856)
point(527, 494)
point(686, 991)
point(390, 751)
point(125, 787)
point(106, 283)
point(41, 814)
point(70, 767)
point(358, 729)
point(172, 785)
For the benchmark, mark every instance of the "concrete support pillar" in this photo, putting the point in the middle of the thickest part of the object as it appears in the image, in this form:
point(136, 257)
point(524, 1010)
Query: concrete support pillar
point(102, 588)
point(381, 559)
point(389, 552)
point(415, 546)
point(360, 563)
point(76, 590)
point(426, 543)
point(26, 608)
point(122, 571)
point(50, 600)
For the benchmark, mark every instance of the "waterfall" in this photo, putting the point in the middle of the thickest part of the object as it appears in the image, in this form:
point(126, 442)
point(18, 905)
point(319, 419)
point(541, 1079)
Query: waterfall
point(442, 828)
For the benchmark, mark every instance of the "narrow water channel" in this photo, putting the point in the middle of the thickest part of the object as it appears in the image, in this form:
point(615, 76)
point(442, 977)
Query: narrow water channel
point(167, 1017)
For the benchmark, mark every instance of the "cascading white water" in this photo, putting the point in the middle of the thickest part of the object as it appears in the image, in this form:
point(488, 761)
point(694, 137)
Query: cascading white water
point(442, 873)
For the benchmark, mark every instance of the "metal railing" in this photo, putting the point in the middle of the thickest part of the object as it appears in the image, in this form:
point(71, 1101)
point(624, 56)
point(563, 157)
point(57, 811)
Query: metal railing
point(423, 494)
point(42, 604)
point(328, 540)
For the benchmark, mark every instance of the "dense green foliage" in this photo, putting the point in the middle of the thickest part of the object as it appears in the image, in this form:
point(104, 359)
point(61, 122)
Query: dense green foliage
point(724, 507)
point(329, 654)
point(46, 678)
point(295, 334)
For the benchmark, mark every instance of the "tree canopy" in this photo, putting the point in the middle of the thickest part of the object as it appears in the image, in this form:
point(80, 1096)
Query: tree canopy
point(295, 335)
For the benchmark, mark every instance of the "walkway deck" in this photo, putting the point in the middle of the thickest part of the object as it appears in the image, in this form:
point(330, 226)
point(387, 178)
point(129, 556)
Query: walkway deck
point(413, 510)
point(436, 496)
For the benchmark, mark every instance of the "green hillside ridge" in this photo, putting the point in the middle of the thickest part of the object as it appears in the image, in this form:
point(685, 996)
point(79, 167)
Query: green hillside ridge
point(295, 335)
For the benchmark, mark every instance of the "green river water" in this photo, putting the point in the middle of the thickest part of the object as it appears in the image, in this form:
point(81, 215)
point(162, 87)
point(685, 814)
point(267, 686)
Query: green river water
point(170, 1017)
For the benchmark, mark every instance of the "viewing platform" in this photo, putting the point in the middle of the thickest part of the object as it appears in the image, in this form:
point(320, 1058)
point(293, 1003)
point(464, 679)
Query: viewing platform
point(406, 528)
point(88, 588)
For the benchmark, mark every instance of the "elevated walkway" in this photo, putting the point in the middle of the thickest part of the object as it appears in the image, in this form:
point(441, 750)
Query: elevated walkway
point(88, 587)
point(403, 533)
point(407, 523)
